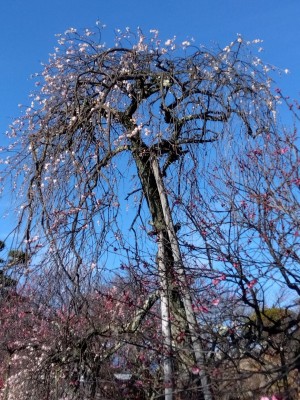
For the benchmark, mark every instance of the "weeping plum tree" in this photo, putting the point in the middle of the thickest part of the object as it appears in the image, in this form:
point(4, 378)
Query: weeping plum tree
point(109, 161)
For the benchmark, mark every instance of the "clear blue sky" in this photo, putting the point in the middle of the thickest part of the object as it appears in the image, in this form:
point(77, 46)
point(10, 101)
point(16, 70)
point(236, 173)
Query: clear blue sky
point(27, 29)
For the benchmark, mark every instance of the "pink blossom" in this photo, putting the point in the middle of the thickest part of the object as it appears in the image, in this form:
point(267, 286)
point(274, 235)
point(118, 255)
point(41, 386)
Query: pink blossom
point(216, 281)
point(284, 150)
point(252, 283)
point(244, 204)
point(139, 383)
point(296, 181)
point(195, 370)
point(200, 309)
point(142, 357)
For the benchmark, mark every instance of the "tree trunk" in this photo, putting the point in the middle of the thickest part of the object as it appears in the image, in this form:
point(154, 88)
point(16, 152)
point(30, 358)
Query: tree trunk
point(165, 321)
point(180, 272)
point(174, 299)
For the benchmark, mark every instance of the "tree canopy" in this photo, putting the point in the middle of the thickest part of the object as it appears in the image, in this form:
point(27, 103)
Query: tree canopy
point(155, 179)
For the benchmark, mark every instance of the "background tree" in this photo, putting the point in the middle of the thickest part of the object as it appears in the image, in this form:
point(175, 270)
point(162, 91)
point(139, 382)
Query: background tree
point(116, 154)
point(249, 214)
point(14, 258)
